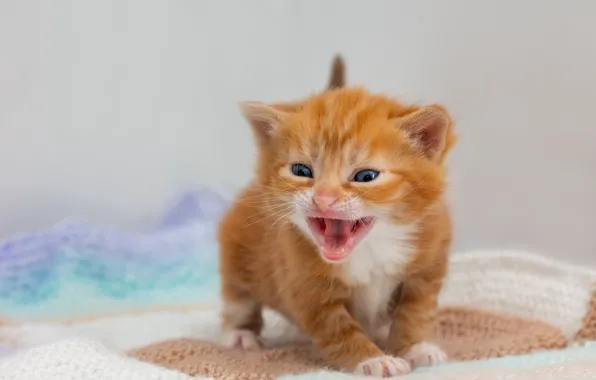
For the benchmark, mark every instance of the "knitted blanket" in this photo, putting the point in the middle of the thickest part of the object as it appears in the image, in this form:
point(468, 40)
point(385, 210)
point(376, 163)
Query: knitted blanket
point(522, 315)
point(524, 304)
point(82, 359)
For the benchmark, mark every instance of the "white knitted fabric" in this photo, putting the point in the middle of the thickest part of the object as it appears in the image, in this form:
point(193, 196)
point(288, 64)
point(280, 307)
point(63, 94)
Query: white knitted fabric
point(80, 359)
point(523, 284)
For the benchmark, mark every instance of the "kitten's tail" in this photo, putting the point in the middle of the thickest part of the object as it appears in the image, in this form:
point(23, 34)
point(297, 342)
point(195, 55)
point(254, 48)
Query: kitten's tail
point(337, 77)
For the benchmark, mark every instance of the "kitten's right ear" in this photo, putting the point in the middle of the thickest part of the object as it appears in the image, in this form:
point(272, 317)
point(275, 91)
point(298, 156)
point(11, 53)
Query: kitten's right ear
point(263, 119)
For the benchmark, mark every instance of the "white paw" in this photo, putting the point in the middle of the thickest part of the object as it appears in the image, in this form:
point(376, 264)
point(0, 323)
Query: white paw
point(242, 339)
point(383, 366)
point(425, 354)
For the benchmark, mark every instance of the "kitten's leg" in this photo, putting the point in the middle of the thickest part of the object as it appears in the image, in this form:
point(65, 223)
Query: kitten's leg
point(321, 311)
point(414, 321)
point(242, 319)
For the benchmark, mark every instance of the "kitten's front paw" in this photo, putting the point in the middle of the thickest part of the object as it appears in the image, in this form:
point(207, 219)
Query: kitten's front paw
point(383, 366)
point(242, 339)
point(425, 354)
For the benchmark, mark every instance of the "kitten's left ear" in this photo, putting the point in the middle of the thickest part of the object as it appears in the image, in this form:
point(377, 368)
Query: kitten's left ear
point(263, 118)
point(429, 130)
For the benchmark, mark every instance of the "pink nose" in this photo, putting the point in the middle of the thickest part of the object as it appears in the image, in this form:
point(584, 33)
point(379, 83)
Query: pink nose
point(324, 202)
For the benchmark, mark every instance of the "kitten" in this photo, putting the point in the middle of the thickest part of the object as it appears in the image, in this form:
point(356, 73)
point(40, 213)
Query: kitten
point(344, 229)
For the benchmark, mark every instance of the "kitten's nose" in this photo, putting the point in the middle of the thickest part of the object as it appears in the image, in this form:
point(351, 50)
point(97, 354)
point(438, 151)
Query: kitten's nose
point(324, 202)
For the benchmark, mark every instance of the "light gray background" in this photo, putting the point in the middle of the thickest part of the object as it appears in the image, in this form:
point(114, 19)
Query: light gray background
point(109, 107)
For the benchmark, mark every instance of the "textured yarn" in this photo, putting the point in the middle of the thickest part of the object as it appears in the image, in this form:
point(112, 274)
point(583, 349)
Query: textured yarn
point(79, 359)
point(513, 304)
point(522, 284)
point(465, 333)
point(494, 304)
point(588, 329)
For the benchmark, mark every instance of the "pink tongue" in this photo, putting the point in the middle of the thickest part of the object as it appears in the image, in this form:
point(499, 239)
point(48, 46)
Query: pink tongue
point(338, 238)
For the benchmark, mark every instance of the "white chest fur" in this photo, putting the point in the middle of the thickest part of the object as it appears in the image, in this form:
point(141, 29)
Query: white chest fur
point(375, 269)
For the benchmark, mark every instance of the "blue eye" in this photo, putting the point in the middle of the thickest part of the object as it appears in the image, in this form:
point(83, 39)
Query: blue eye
point(366, 175)
point(301, 170)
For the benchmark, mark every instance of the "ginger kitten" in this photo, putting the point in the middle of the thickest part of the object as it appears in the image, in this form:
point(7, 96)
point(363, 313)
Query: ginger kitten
point(344, 229)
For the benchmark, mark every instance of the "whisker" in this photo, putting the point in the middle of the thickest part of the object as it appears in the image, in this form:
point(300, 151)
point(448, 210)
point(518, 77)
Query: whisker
point(270, 215)
point(281, 227)
point(274, 223)
point(269, 211)
point(287, 183)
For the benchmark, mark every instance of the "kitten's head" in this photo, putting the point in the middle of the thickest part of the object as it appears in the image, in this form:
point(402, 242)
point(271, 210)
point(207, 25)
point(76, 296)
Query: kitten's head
point(340, 161)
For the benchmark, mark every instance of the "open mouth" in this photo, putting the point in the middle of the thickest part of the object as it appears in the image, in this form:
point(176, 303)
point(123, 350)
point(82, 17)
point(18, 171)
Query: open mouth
point(338, 237)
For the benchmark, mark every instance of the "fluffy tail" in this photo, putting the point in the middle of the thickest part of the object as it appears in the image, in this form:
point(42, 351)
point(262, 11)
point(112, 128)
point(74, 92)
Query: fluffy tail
point(337, 77)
